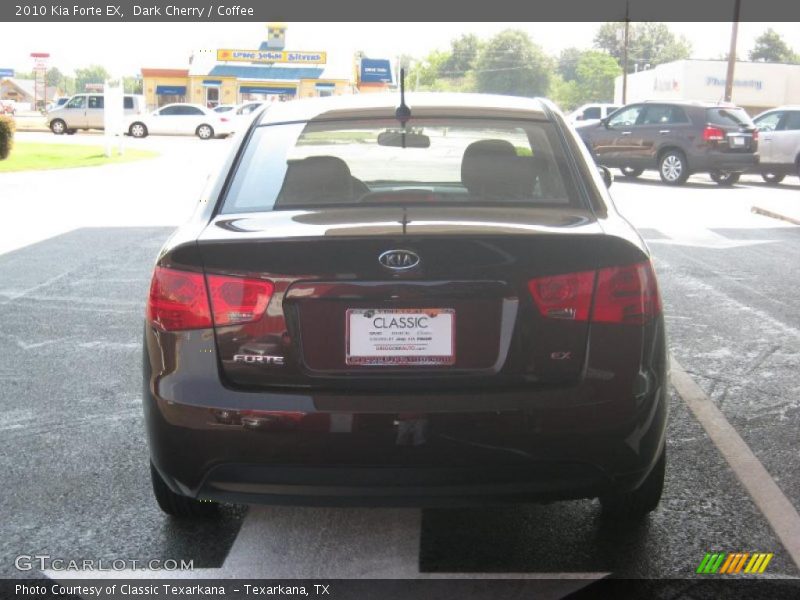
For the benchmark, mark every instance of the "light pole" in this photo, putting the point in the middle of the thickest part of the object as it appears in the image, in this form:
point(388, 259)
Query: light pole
point(625, 56)
point(732, 52)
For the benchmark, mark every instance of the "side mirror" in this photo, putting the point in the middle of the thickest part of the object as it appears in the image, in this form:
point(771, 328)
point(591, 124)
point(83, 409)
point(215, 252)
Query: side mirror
point(579, 118)
point(604, 121)
point(608, 178)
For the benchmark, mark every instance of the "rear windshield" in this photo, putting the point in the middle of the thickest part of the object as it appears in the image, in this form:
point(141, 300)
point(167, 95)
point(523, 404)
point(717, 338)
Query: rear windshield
point(729, 116)
point(359, 162)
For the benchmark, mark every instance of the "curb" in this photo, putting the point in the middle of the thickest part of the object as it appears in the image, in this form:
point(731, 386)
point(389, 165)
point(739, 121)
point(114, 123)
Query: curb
point(775, 215)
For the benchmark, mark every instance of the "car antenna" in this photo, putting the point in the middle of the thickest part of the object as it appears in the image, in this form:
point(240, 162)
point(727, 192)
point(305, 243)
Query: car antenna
point(403, 113)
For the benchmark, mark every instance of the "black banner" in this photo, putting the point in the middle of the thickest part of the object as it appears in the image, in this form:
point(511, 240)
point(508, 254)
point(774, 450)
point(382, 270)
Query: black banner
point(430, 586)
point(395, 10)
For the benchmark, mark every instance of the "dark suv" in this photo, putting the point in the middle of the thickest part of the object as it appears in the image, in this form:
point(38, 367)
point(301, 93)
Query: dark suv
point(676, 138)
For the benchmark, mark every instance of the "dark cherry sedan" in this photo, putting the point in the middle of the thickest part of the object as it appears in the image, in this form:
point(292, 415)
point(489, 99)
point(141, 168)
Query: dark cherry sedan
point(424, 306)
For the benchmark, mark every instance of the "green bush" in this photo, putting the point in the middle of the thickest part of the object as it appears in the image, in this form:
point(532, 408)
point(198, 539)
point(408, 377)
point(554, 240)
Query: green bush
point(6, 137)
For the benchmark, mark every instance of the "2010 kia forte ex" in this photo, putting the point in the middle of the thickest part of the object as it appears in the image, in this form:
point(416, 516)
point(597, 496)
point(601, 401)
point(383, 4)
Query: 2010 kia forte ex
point(417, 301)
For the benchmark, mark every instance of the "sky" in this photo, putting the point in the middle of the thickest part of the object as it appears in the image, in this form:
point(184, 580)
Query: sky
point(124, 48)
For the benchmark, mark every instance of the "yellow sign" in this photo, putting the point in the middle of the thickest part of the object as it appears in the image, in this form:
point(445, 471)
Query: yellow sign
point(272, 56)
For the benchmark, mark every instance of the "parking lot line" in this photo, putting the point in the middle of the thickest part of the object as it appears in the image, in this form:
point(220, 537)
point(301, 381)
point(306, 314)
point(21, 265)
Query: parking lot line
point(768, 497)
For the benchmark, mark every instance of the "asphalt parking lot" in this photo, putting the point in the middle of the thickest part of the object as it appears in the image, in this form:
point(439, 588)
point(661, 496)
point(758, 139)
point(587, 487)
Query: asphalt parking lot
point(74, 271)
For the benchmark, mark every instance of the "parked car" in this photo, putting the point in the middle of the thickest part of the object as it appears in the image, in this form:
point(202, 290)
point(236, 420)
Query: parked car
point(182, 119)
point(8, 107)
point(779, 143)
point(591, 113)
point(86, 111)
point(393, 303)
point(57, 103)
point(677, 138)
point(244, 113)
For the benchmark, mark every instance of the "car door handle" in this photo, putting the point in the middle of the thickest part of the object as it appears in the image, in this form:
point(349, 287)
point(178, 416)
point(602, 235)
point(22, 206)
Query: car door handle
point(625, 133)
point(663, 131)
point(766, 139)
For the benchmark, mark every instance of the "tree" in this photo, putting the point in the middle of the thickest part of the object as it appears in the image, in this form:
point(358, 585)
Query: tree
point(463, 54)
point(510, 63)
point(132, 85)
point(91, 74)
point(54, 77)
point(424, 74)
point(568, 63)
point(648, 44)
point(596, 72)
point(771, 47)
point(593, 82)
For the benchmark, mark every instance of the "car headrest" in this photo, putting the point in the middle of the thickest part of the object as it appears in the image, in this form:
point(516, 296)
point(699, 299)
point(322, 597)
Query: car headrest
point(316, 179)
point(492, 169)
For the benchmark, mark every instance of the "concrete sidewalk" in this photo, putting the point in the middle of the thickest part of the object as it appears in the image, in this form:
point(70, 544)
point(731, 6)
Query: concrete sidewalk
point(785, 209)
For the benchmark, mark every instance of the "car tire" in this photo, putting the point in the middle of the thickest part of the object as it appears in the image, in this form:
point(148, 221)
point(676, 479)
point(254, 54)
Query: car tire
point(772, 178)
point(58, 127)
point(672, 167)
point(635, 505)
point(724, 178)
point(205, 132)
point(138, 130)
point(631, 171)
point(176, 505)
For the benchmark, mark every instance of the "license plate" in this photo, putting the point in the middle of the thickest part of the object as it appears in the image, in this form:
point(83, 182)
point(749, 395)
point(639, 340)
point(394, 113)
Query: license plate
point(398, 337)
point(737, 141)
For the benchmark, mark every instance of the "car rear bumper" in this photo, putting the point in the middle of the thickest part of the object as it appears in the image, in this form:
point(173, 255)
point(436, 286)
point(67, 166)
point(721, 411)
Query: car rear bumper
point(724, 161)
point(212, 442)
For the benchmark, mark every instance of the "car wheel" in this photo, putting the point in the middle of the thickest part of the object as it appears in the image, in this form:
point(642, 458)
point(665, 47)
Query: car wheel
point(724, 177)
point(205, 132)
point(637, 504)
point(138, 130)
point(772, 178)
point(176, 505)
point(672, 167)
point(58, 127)
point(631, 171)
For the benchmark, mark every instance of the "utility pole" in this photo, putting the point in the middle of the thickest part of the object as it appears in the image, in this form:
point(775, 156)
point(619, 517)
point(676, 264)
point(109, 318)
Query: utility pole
point(732, 52)
point(625, 56)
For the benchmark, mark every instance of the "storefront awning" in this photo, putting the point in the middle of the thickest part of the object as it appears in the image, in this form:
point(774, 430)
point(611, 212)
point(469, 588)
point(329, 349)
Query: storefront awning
point(264, 89)
point(171, 90)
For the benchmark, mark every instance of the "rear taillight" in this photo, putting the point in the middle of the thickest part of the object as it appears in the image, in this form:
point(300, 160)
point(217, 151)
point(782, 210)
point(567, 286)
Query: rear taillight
point(179, 300)
point(224, 119)
point(755, 135)
point(236, 300)
point(713, 134)
point(564, 296)
point(626, 294)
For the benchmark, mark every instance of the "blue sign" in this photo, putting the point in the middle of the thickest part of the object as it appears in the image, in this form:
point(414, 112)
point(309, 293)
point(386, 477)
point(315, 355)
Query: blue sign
point(261, 89)
point(376, 70)
point(212, 82)
point(6, 72)
point(171, 90)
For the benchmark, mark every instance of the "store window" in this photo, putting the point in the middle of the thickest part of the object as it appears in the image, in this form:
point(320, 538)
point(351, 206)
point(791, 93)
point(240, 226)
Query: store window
point(164, 99)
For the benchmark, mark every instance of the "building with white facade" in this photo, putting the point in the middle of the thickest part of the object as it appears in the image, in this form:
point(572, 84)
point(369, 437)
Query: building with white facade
point(757, 86)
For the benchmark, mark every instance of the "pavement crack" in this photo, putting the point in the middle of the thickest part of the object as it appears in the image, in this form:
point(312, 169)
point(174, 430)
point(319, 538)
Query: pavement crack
point(762, 358)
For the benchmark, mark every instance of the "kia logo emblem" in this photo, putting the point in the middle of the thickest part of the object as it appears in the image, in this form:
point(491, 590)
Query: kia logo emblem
point(399, 260)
